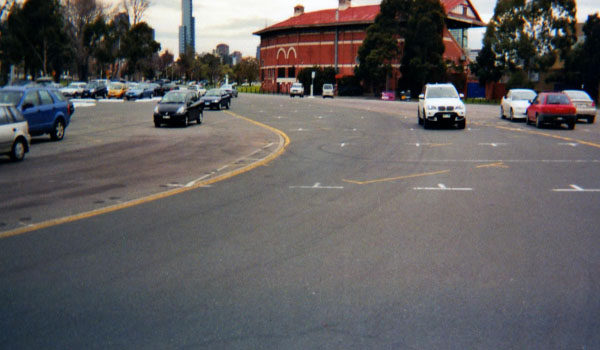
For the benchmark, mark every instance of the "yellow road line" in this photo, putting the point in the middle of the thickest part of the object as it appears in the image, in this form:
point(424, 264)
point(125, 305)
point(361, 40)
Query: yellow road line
point(539, 133)
point(396, 178)
point(55, 222)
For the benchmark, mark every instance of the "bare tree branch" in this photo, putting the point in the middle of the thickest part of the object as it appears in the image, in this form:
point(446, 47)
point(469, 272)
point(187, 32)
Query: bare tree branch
point(135, 9)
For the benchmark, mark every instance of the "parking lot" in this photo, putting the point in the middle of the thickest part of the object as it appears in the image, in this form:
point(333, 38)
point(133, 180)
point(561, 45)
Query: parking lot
point(112, 153)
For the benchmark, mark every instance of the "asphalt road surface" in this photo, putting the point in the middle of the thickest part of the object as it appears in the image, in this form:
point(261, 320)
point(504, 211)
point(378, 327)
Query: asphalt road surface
point(367, 232)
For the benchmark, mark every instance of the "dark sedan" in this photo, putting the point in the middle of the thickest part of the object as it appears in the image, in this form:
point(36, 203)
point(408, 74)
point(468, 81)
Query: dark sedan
point(216, 99)
point(95, 90)
point(179, 106)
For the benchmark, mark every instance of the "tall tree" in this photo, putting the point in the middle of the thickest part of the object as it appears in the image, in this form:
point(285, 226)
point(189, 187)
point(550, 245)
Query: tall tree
point(528, 35)
point(139, 46)
point(247, 70)
point(79, 14)
point(590, 54)
point(36, 32)
point(407, 31)
point(423, 61)
point(135, 9)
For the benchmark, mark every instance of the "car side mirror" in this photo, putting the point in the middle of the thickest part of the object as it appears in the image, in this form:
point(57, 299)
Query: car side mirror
point(461, 95)
point(421, 97)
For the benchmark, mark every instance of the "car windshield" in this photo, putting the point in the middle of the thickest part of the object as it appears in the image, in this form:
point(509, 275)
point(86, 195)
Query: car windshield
point(557, 99)
point(91, 85)
point(76, 85)
point(297, 85)
point(115, 86)
point(441, 92)
point(578, 95)
point(214, 92)
point(174, 97)
point(11, 97)
point(133, 86)
point(328, 86)
point(523, 95)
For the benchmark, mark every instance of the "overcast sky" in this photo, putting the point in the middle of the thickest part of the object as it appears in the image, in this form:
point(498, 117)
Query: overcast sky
point(233, 21)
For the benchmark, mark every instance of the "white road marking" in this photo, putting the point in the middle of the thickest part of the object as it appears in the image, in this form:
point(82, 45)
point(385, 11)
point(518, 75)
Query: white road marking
point(572, 144)
point(575, 188)
point(442, 187)
point(493, 144)
point(318, 186)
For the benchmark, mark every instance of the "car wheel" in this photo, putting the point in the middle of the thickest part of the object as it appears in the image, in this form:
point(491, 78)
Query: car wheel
point(227, 105)
point(538, 122)
point(58, 132)
point(502, 113)
point(419, 120)
point(200, 118)
point(426, 123)
point(462, 124)
point(512, 115)
point(527, 119)
point(17, 152)
point(591, 120)
point(571, 125)
point(156, 124)
point(186, 121)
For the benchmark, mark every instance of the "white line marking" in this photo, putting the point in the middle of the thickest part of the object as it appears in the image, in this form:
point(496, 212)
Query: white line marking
point(318, 186)
point(442, 187)
point(572, 144)
point(223, 168)
point(493, 144)
point(575, 188)
point(343, 144)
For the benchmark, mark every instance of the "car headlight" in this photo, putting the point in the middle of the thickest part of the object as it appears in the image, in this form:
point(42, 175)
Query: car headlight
point(431, 107)
point(215, 101)
point(459, 108)
point(156, 110)
point(181, 110)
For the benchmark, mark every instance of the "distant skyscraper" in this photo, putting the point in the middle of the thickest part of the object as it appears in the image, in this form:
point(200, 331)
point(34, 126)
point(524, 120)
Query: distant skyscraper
point(187, 33)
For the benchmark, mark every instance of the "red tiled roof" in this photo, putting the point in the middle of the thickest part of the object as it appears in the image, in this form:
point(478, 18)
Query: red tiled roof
point(359, 14)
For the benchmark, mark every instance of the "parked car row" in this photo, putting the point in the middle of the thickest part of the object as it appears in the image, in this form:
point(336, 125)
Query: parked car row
point(27, 111)
point(555, 108)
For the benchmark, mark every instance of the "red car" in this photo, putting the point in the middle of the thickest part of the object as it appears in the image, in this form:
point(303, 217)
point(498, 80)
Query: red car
point(552, 108)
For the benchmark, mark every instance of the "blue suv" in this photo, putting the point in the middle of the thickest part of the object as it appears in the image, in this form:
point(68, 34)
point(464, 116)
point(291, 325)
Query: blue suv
point(46, 110)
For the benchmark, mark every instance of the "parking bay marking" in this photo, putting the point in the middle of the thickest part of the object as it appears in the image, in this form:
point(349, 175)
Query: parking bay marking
point(317, 186)
point(442, 187)
point(575, 188)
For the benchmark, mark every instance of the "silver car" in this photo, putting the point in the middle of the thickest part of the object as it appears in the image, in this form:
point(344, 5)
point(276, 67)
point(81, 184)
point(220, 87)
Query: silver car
point(14, 133)
point(586, 108)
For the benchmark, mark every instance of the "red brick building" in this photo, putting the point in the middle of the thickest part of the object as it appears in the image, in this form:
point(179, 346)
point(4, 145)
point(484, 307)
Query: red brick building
point(331, 38)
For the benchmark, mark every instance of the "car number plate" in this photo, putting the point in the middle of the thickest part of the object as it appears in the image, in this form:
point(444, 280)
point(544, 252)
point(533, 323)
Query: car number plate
point(166, 117)
point(446, 116)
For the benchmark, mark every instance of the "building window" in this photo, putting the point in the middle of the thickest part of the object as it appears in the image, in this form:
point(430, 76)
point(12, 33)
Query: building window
point(292, 72)
point(280, 72)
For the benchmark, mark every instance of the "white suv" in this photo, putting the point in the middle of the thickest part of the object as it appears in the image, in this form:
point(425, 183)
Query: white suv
point(297, 89)
point(441, 103)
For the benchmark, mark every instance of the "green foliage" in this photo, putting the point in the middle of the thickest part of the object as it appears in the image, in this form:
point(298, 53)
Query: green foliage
point(247, 70)
point(526, 35)
point(35, 35)
point(139, 46)
point(424, 48)
point(421, 24)
point(349, 86)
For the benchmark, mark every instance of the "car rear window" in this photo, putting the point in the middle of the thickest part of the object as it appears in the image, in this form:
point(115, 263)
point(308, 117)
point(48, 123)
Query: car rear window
point(578, 95)
point(11, 97)
point(556, 99)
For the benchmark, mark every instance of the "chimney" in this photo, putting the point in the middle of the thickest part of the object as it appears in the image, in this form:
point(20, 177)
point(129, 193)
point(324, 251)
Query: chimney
point(298, 10)
point(345, 4)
